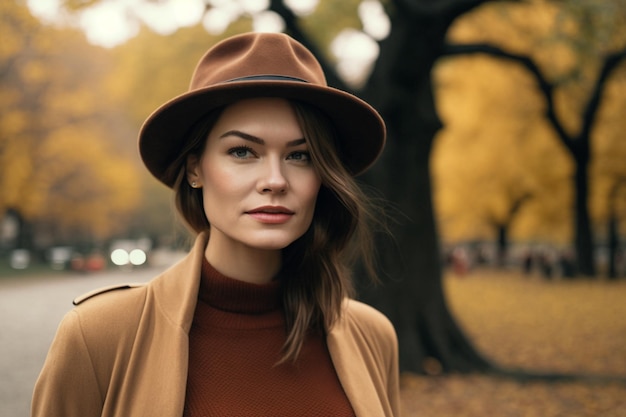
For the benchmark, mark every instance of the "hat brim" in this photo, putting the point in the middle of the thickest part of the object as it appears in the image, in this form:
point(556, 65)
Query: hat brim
point(360, 128)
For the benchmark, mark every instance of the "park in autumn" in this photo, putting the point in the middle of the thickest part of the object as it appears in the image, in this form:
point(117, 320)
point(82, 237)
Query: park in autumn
point(504, 175)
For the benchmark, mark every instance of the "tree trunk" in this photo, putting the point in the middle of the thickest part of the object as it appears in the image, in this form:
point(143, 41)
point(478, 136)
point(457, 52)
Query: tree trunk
point(25, 232)
point(613, 229)
point(583, 236)
point(412, 297)
point(503, 245)
point(613, 246)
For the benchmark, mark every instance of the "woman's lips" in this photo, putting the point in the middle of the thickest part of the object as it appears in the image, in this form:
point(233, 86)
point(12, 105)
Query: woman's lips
point(271, 214)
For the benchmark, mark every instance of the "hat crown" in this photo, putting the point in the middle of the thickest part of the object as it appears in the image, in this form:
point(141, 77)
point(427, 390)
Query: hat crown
point(256, 55)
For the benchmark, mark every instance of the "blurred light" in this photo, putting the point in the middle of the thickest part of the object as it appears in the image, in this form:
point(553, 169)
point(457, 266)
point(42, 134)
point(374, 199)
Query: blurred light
point(120, 257)
point(356, 53)
point(107, 24)
point(302, 7)
point(187, 13)
point(254, 6)
point(60, 256)
point(46, 10)
point(166, 17)
point(268, 21)
point(137, 257)
point(376, 23)
point(216, 20)
point(20, 259)
point(219, 3)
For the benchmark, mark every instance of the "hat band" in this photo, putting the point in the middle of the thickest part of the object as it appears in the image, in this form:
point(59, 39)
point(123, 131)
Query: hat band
point(266, 78)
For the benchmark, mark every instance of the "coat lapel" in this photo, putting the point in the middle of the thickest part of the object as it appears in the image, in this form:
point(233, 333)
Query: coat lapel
point(161, 350)
point(353, 371)
point(176, 290)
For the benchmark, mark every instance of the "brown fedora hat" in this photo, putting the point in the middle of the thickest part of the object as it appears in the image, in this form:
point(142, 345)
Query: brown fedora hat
point(260, 65)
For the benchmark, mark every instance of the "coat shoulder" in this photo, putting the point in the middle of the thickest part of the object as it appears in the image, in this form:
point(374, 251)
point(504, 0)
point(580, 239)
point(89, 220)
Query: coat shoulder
point(366, 315)
point(370, 323)
point(110, 312)
point(107, 300)
point(103, 290)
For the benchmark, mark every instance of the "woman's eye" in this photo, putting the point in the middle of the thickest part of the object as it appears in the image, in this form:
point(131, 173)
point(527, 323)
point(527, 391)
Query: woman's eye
point(303, 156)
point(241, 152)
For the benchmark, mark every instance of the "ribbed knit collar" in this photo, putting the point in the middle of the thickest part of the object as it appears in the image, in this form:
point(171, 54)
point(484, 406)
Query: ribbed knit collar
point(232, 295)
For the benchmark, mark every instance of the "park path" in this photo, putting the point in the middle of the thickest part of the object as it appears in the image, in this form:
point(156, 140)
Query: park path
point(30, 311)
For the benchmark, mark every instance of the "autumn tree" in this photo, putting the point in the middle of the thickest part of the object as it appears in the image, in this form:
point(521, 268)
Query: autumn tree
point(572, 85)
point(58, 170)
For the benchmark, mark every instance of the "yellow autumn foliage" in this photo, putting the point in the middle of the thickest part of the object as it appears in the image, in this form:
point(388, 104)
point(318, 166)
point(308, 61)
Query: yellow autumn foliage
point(497, 145)
point(493, 151)
point(58, 164)
point(84, 178)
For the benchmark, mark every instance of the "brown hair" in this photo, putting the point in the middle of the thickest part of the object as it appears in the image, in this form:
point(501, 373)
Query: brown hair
point(188, 200)
point(315, 277)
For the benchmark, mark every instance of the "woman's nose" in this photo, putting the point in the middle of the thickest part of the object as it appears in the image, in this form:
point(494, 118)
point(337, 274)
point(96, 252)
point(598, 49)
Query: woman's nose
point(273, 179)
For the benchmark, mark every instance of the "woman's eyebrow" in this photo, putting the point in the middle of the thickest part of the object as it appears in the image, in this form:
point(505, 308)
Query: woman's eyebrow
point(244, 136)
point(296, 142)
point(255, 139)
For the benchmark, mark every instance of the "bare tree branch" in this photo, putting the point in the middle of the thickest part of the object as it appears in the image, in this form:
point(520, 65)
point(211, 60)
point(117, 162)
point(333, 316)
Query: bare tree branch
point(576, 144)
point(591, 109)
point(546, 87)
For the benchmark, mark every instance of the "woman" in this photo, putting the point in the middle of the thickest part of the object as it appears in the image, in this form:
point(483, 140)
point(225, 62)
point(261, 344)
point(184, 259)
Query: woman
point(257, 320)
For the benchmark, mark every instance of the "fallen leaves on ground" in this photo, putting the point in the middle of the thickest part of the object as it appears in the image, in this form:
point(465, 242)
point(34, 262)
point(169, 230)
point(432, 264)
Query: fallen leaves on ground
point(518, 321)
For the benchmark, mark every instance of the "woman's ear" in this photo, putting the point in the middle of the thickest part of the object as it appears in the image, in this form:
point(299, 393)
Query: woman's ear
point(192, 168)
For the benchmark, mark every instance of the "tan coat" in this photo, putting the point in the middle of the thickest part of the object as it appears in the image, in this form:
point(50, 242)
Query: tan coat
point(125, 353)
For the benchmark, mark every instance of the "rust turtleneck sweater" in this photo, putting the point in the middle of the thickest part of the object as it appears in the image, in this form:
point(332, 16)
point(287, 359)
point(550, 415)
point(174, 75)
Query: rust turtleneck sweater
point(235, 341)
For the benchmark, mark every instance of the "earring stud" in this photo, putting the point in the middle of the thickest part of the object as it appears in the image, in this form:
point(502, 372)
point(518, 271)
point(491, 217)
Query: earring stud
point(194, 184)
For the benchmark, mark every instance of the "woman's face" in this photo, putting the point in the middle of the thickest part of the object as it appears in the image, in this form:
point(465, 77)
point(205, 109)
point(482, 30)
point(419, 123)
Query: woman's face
point(258, 183)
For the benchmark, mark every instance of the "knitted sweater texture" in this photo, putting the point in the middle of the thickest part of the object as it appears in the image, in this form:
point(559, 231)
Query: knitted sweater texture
point(235, 342)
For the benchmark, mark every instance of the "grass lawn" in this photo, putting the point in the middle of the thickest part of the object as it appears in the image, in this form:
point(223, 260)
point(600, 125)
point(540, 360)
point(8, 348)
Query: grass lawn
point(525, 322)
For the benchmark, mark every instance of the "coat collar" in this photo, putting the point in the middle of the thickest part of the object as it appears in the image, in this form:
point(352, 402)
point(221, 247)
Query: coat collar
point(176, 290)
